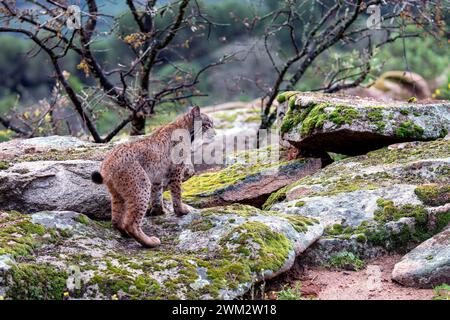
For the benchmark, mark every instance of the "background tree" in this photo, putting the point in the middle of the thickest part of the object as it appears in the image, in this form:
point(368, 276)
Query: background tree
point(128, 85)
point(311, 28)
point(270, 41)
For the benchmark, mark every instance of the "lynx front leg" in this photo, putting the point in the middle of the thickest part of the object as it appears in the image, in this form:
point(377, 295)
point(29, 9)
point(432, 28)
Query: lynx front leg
point(156, 208)
point(179, 207)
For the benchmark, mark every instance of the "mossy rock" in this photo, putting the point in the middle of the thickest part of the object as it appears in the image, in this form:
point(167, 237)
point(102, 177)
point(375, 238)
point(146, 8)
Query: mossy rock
point(352, 125)
point(434, 194)
point(245, 180)
point(215, 253)
point(427, 265)
point(375, 199)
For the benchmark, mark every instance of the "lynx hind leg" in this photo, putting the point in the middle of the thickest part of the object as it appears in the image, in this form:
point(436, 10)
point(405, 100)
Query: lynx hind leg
point(117, 211)
point(156, 203)
point(136, 200)
point(179, 207)
point(136, 209)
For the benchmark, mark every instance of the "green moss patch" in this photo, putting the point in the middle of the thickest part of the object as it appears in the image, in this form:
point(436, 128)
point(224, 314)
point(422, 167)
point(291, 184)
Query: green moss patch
point(112, 267)
point(299, 204)
point(275, 197)
point(4, 165)
point(387, 211)
point(376, 233)
point(299, 223)
point(272, 247)
point(433, 194)
point(343, 115)
point(237, 209)
point(19, 236)
point(202, 188)
point(375, 115)
point(313, 115)
point(282, 97)
point(411, 152)
point(81, 218)
point(29, 281)
point(409, 129)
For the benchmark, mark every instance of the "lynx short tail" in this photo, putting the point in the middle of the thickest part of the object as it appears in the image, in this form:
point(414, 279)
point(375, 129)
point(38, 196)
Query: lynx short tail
point(97, 177)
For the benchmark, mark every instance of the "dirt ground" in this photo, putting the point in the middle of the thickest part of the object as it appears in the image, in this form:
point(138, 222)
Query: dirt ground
point(372, 283)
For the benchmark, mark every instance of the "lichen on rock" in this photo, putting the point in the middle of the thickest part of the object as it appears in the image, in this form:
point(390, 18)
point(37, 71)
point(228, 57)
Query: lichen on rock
point(245, 181)
point(352, 125)
point(392, 198)
point(216, 253)
point(427, 265)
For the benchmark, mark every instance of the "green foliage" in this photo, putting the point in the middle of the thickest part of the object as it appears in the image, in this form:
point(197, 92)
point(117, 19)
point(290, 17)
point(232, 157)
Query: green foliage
point(289, 293)
point(442, 292)
point(107, 119)
point(8, 102)
point(6, 135)
point(236, 21)
point(346, 260)
point(4, 165)
point(425, 56)
point(444, 91)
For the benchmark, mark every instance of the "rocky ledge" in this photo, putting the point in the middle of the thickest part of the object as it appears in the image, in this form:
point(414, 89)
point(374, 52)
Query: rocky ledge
point(250, 177)
point(214, 253)
point(392, 198)
point(352, 126)
point(427, 265)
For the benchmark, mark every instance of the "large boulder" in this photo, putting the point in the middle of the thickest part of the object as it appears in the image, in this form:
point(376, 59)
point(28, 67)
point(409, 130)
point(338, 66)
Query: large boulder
point(51, 148)
point(54, 173)
point(53, 185)
point(352, 126)
point(394, 85)
point(52, 178)
point(427, 265)
point(390, 198)
point(246, 181)
point(214, 253)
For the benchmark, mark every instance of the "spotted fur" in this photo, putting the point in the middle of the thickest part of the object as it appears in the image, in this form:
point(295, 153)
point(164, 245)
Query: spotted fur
point(135, 174)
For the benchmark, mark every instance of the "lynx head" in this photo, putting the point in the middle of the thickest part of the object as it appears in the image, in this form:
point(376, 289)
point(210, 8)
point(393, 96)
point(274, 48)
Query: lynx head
point(203, 125)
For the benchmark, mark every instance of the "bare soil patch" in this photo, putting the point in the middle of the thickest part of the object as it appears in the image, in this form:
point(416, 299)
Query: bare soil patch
point(371, 283)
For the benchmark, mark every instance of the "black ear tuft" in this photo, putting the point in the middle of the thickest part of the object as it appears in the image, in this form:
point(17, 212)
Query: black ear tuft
point(195, 111)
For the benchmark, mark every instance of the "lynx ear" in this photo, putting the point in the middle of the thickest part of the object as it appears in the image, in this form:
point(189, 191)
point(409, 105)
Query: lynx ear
point(195, 111)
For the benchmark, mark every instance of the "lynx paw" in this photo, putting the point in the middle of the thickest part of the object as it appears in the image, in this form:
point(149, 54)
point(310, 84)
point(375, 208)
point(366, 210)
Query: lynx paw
point(152, 242)
point(182, 211)
point(156, 211)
